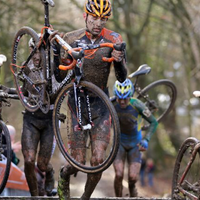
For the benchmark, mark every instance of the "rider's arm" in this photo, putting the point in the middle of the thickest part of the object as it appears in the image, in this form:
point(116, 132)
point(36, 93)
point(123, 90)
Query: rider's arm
point(120, 70)
point(58, 59)
point(119, 60)
point(148, 116)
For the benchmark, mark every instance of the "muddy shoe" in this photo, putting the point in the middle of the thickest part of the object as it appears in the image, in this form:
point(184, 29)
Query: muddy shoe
point(134, 193)
point(49, 183)
point(52, 193)
point(63, 189)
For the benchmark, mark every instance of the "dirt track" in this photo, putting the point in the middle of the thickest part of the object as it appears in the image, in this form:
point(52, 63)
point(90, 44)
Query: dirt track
point(105, 186)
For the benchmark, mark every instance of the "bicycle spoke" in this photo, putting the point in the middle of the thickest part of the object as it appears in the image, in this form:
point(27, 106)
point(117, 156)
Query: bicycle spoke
point(77, 145)
point(29, 78)
point(159, 97)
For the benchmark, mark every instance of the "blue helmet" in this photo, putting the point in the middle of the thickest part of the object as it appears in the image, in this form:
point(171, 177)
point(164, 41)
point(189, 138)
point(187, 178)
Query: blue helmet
point(123, 90)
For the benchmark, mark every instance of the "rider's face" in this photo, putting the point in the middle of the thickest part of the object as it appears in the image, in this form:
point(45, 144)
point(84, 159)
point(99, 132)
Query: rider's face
point(123, 102)
point(95, 25)
point(36, 58)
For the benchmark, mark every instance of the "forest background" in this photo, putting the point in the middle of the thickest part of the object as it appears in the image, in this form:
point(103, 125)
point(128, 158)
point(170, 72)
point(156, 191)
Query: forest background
point(165, 34)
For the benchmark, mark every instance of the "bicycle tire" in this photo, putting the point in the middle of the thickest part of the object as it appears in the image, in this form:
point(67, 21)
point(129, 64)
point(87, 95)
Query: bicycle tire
point(162, 94)
point(5, 156)
point(31, 95)
point(61, 130)
point(192, 175)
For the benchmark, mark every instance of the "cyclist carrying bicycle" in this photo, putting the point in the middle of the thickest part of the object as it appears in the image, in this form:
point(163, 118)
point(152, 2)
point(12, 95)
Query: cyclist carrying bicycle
point(95, 70)
point(37, 132)
point(130, 111)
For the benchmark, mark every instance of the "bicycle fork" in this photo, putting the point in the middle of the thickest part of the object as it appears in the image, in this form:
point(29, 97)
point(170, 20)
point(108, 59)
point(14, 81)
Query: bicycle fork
point(89, 124)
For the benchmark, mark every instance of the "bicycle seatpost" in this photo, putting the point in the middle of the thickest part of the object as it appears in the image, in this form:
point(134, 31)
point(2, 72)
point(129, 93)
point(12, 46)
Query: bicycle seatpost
point(46, 12)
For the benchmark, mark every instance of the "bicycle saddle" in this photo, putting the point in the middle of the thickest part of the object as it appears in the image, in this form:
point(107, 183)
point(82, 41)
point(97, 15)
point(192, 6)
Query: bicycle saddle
point(2, 59)
point(143, 69)
point(50, 2)
point(196, 93)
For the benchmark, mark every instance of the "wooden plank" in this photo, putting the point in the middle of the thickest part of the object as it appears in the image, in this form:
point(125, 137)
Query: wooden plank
point(77, 198)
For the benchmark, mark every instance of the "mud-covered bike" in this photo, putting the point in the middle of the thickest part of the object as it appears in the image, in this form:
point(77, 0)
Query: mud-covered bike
point(186, 175)
point(159, 96)
point(5, 142)
point(73, 107)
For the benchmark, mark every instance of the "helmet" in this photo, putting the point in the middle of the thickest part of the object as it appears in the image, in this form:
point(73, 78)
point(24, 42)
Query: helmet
point(123, 90)
point(31, 42)
point(99, 8)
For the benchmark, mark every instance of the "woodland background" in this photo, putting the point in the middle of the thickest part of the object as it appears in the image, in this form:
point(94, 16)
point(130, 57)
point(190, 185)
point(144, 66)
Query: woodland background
point(165, 34)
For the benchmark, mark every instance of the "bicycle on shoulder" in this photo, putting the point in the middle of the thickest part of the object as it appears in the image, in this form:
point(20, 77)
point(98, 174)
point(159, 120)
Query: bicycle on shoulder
point(159, 96)
point(5, 141)
point(186, 174)
point(79, 104)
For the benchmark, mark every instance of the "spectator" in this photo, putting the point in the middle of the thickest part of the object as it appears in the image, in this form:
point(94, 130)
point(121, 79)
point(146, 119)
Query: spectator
point(143, 171)
point(16, 146)
point(150, 171)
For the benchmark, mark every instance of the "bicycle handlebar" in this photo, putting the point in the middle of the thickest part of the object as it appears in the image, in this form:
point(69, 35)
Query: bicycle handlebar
point(78, 53)
point(8, 93)
point(4, 95)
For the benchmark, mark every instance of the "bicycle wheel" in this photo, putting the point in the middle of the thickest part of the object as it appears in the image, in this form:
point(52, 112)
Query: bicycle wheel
point(188, 186)
point(79, 147)
point(5, 155)
point(159, 97)
point(29, 80)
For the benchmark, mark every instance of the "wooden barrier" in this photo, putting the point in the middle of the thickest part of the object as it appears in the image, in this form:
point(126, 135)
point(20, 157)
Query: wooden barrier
point(77, 198)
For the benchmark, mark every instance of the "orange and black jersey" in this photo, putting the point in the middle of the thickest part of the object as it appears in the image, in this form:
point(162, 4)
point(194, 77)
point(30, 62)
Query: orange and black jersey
point(95, 69)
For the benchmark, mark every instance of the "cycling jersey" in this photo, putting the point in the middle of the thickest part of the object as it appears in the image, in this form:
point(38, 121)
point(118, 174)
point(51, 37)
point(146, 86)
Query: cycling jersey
point(95, 70)
point(130, 119)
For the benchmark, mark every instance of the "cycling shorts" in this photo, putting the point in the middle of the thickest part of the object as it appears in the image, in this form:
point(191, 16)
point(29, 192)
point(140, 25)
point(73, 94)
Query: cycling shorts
point(132, 154)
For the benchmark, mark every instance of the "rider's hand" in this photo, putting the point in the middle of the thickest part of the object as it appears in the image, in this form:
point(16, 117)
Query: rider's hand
point(143, 145)
point(117, 55)
point(54, 44)
point(52, 36)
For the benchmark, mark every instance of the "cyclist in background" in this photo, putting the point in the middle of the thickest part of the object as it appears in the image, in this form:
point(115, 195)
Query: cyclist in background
point(37, 132)
point(130, 111)
point(96, 71)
